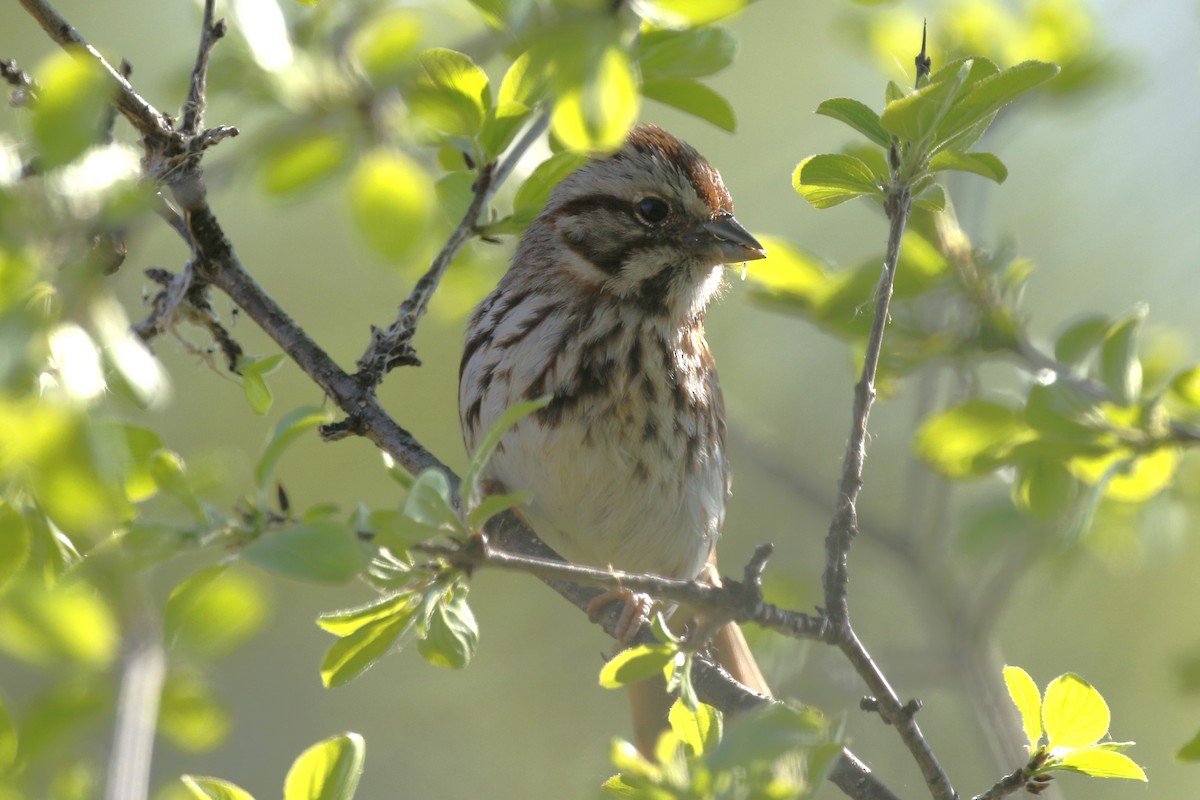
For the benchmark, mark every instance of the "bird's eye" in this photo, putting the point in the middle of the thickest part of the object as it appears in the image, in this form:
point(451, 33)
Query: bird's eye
point(652, 210)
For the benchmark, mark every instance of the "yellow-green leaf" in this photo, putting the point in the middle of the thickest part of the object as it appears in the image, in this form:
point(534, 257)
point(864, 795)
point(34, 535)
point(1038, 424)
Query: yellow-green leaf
point(450, 93)
point(214, 611)
point(595, 112)
point(391, 200)
point(302, 161)
point(214, 789)
point(190, 715)
point(329, 770)
point(74, 93)
point(356, 652)
point(686, 13)
point(1073, 713)
point(832, 178)
point(635, 664)
point(1100, 763)
point(15, 542)
point(385, 45)
point(1024, 693)
point(971, 438)
point(700, 730)
point(67, 623)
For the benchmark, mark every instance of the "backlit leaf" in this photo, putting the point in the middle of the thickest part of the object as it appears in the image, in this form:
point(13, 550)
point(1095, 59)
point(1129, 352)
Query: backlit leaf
point(450, 93)
point(301, 162)
point(636, 663)
point(1100, 763)
point(69, 623)
point(1073, 713)
point(347, 621)
point(970, 439)
point(684, 13)
point(483, 451)
point(596, 108)
point(858, 116)
point(74, 93)
point(451, 635)
point(700, 730)
point(1120, 368)
point(1190, 752)
point(357, 651)
point(984, 164)
point(832, 178)
point(190, 716)
point(329, 770)
point(214, 612)
point(385, 45)
point(214, 789)
point(391, 201)
point(254, 371)
point(1024, 693)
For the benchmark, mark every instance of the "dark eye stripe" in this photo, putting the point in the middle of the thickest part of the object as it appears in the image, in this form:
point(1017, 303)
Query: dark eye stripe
point(594, 202)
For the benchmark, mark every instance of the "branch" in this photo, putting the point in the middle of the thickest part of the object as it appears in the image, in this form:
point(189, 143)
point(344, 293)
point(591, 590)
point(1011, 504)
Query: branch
point(193, 107)
point(392, 347)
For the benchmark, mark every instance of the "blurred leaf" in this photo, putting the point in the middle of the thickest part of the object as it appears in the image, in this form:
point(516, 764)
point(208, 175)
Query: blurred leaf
point(1024, 693)
point(1060, 408)
point(15, 542)
point(692, 53)
point(1190, 752)
point(1120, 368)
point(635, 664)
point(391, 201)
point(329, 770)
point(254, 370)
point(533, 194)
point(67, 623)
point(1186, 386)
point(520, 90)
point(1074, 713)
point(385, 45)
point(66, 710)
point(450, 92)
point(767, 734)
point(367, 642)
point(826, 180)
point(429, 503)
point(1128, 478)
point(451, 635)
point(322, 552)
point(858, 116)
point(988, 95)
point(494, 12)
point(693, 98)
point(286, 431)
point(214, 612)
point(596, 105)
point(1100, 763)
point(969, 439)
point(214, 789)
point(984, 164)
point(700, 730)
point(1046, 489)
point(302, 161)
point(790, 278)
point(190, 716)
point(687, 13)
point(74, 93)
point(455, 193)
point(8, 740)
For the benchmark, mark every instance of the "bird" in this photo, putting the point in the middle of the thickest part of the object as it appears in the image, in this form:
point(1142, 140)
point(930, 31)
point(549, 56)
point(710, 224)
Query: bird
point(602, 311)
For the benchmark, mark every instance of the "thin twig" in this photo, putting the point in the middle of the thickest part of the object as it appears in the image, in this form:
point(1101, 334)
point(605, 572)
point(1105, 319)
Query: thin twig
point(1005, 786)
point(193, 107)
point(391, 347)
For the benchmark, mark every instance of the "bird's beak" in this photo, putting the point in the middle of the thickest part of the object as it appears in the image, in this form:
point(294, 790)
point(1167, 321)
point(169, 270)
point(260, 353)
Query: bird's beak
point(731, 241)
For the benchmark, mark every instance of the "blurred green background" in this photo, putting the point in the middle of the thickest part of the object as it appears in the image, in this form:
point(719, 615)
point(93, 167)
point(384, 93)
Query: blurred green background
point(1101, 195)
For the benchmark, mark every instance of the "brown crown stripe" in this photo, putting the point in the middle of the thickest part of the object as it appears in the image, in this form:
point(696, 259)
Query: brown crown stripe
point(653, 140)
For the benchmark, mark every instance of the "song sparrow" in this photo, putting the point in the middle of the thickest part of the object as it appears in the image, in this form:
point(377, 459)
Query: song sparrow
point(602, 309)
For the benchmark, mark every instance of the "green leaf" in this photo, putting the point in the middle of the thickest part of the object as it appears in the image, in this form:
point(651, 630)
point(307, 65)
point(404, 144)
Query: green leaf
point(391, 202)
point(826, 180)
point(597, 105)
point(1120, 367)
point(1074, 713)
point(451, 635)
point(496, 504)
point(190, 716)
point(970, 439)
point(429, 503)
point(385, 44)
point(1099, 763)
point(357, 651)
point(984, 164)
point(15, 542)
point(767, 734)
point(301, 162)
point(287, 431)
point(1186, 386)
point(1129, 478)
point(1190, 752)
point(69, 623)
point(487, 445)
point(322, 552)
point(858, 116)
point(214, 789)
point(916, 115)
point(688, 13)
point(1046, 489)
point(693, 98)
point(349, 620)
point(73, 97)
point(636, 663)
point(214, 612)
point(531, 197)
point(690, 53)
point(789, 278)
point(329, 770)
point(700, 730)
point(254, 371)
point(450, 92)
point(987, 96)
point(8, 740)
point(1025, 695)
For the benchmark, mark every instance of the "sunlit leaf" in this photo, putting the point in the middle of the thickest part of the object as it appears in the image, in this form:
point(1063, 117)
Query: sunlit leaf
point(70, 622)
point(1129, 478)
point(347, 621)
point(532, 195)
point(988, 95)
point(985, 164)
point(597, 105)
point(1073, 713)
point(970, 439)
point(190, 716)
point(858, 116)
point(287, 430)
point(694, 98)
point(767, 734)
point(73, 95)
point(214, 789)
point(1044, 488)
point(1024, 693)
point(302, 162)
point(700, 730)
point(450, 93)
point(368, 642)
point(429, 502)
point(214, 612)
point(833, 178)
point(391, 201)
point(321, 552)
point(386, 43)
point(686, 13)
point(636, 663)
point(1100, 763)
point(1186, 386)
point(329, 770)
point(789, 278)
